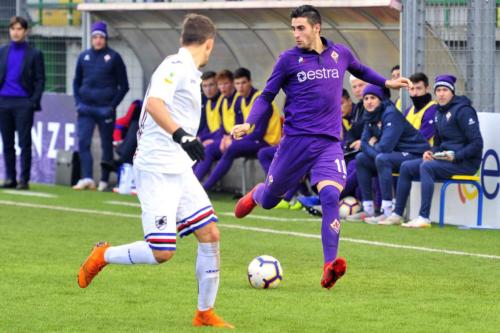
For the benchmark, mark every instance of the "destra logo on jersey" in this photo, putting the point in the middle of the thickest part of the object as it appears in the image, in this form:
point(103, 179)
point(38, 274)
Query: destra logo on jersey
point(319, 74)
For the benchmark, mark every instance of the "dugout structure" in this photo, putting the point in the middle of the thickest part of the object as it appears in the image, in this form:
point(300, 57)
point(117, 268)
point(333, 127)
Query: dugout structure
point(253, 33)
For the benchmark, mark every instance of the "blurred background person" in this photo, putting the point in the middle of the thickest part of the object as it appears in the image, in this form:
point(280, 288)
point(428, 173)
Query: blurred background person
point(22, 81)
point(99, 86)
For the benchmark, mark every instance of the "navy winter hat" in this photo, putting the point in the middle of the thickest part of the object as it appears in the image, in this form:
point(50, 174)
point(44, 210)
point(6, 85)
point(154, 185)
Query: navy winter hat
point(99, 28)
point(374, 90)
point(445, 80)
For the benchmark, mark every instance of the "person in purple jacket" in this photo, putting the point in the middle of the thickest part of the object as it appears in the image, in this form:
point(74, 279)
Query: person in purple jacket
point(311, 75)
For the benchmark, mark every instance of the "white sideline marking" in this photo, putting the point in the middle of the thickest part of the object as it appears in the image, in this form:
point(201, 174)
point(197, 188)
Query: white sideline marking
point(271, 231)
point(272, 218)
point(68, 209)
point(30, 193)
point(257, 217)
point(123, 203)
point(362, 241)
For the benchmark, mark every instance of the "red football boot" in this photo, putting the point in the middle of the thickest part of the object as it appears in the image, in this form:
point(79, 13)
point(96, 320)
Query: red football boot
point(245, 205)
point(333, 271)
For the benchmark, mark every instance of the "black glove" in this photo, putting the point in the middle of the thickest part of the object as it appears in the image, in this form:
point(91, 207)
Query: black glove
point(190, 144)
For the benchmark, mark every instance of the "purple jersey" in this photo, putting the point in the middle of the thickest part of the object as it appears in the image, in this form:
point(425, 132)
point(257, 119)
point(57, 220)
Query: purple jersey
point(313, 86)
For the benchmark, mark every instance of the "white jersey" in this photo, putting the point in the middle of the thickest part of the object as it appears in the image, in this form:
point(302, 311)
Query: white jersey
point(177, 82)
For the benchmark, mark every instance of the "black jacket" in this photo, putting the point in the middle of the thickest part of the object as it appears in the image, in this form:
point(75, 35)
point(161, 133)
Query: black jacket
point(457, 129)
point(33, 73)
point(357, 124)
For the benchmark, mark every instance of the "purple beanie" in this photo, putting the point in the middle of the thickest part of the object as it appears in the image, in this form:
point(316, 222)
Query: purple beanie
point(374, 90)
point(445, 80)
point(99, 28)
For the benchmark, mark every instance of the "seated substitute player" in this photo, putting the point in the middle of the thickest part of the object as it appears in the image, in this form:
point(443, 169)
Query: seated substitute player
point(458, 147)
point(211, 102)
point(266, 133)
point(311, 76)
point(171, 197)
point(421, 114)
point(388, 140)
point(230, 115)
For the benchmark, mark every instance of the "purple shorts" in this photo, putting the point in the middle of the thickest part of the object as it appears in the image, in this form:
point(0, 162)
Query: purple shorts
point(298, 156)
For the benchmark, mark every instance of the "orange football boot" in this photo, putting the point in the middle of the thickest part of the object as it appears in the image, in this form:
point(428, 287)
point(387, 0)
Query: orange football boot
point(333, 271)
point(92, 265)
point(209, 318)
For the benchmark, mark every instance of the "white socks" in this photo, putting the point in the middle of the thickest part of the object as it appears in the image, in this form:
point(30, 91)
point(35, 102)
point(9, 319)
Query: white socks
point(129, 254)
point(207, 266)
point(207, 274)
point(369, 208)
point(387, 207)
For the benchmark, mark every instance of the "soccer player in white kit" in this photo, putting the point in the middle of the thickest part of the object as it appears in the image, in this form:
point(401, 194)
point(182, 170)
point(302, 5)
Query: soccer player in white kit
point(172, 199)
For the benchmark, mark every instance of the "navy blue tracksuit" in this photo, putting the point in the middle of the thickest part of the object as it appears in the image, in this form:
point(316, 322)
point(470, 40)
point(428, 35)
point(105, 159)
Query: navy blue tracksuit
point(397, 141)
point(457, 129)
point(100, 84)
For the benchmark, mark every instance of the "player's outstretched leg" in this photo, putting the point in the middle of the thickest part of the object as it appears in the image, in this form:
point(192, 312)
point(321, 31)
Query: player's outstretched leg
point(127, 254)
point(334, 267)
point(207, 274)
point(92, 265)
point(259, 195)
point(245, 205)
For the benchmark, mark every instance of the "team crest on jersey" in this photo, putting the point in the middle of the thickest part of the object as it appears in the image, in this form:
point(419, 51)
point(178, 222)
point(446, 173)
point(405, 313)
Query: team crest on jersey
point(169, 79)
point(301, 60)
point(107, 57)
point(379, 124)
point(161, 222)
point(448, 116)
point(335, 225)
point(86, 58)
point(335, 56)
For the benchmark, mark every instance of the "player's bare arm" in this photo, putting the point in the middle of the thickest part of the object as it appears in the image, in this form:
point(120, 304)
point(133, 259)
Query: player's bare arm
point(161, 114)
point(400, 82)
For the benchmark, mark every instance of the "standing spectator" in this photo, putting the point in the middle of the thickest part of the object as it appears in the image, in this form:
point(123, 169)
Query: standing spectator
point(353, 136)
point(99, 86)
point(421, 113)
point(395, 74)
point(458, 149)
point(22, 80)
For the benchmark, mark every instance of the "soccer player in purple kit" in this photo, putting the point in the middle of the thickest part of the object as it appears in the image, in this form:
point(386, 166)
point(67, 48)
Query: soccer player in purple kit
point(311, 75)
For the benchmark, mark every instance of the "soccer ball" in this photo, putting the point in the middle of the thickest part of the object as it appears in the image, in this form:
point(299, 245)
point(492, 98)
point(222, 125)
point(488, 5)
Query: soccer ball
point(265, 272)
point(348, 206)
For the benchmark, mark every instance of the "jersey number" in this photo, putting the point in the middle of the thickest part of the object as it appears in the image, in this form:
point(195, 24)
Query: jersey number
point(341, 166)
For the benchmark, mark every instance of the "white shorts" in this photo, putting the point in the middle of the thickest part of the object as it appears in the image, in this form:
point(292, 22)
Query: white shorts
point(171, 203)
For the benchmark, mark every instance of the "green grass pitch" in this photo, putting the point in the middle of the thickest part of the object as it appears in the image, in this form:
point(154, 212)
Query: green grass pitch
point(386, 289)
